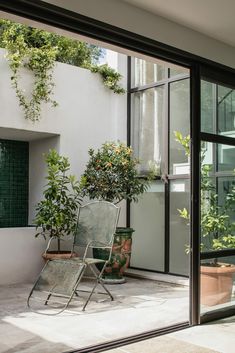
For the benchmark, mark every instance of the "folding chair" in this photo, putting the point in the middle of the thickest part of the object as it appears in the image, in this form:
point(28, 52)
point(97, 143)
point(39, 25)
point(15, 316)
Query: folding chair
point(58, 281)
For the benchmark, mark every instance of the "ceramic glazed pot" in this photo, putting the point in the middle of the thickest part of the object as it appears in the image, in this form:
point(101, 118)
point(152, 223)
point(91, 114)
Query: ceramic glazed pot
point(120, 258)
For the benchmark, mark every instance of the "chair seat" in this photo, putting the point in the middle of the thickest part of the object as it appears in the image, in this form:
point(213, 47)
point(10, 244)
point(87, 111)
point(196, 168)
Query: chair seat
point(88, 260)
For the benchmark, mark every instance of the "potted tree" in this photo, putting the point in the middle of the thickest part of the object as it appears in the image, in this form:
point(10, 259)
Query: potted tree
point(56, 214)
point(217, 233)
point(111, 175)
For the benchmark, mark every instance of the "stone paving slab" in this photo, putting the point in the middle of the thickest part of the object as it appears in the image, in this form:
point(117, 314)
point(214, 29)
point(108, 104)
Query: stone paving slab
point(139, 305)
point(162, 344)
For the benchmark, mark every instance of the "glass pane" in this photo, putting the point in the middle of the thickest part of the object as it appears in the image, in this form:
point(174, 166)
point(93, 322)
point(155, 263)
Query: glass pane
point(179, 226)
point(217, 283)
point(217, 204)
point(226, 158)
point(226, 111)
point(179, 124)
point(144, 72)
point(208, 106)
point(148, 110)
point(178, 70)
point(147, 218)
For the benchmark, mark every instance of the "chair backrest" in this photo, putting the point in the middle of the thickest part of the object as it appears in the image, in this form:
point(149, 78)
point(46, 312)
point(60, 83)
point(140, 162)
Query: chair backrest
point(97, 222)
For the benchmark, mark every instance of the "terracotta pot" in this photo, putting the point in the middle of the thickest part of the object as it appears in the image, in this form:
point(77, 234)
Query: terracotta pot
point(216, 284)
point(52, 255)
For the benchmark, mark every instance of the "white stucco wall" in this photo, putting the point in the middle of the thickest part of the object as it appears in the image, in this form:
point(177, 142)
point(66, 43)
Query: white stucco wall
point(138, 21)
point(88, 115)
point(20, 255)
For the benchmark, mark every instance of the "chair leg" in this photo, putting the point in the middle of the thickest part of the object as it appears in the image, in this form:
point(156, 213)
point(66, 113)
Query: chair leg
point(106, 290)
point(48, 297)
point(89, 297)
point(98, 281)
point(101, 282)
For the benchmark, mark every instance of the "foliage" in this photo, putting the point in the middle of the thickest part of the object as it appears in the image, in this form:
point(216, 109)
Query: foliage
point(111, 174)
point(183, 141)
point(57, 212)
point(39, 59)
point(217, 229)
point(37, 51)
point(109, 76)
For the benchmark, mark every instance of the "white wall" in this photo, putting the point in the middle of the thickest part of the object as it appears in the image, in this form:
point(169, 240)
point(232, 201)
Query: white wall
point(88, 115)
point(155, 27)
point(20, 259)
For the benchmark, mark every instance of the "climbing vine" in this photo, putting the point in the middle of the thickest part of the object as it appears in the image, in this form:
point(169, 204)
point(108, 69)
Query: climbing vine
point(38, 59)
point(37, 51)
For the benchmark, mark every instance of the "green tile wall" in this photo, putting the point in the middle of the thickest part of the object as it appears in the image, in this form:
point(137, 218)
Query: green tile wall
point(14, 180)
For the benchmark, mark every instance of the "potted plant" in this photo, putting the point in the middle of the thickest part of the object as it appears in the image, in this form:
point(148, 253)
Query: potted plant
point(111, 175)
point(217, 233)
point(56, 214)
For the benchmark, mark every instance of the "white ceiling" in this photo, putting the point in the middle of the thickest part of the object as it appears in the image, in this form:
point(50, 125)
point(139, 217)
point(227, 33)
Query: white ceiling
point(214, 18)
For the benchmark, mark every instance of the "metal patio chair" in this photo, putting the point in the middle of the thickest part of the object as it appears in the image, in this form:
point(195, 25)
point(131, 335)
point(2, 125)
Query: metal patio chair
point(58, 282)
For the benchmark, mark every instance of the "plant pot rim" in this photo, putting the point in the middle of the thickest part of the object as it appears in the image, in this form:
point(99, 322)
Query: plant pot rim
point(223, 268)
point(124, 230)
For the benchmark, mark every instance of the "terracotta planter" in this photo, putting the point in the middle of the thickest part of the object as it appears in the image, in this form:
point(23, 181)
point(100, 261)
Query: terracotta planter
point(216, 284)
point(121, 254)
point(52, 255)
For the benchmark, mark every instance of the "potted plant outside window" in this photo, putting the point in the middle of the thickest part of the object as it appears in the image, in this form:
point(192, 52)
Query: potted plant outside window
point(111, 175)
point(217, 233)
point(56, 214)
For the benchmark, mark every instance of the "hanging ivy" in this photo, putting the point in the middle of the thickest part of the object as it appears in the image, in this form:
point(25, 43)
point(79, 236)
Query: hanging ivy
point(110, 77)
point(38, 51)
point(40, 60)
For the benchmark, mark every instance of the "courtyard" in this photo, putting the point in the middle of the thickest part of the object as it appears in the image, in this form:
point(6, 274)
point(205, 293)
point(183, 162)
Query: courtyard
point(138, 306)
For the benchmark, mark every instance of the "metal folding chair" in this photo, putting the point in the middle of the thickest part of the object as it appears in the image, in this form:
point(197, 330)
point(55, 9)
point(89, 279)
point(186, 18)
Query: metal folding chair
point(58, 282)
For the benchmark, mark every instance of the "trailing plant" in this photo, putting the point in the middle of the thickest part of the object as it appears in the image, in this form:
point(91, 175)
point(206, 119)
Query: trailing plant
point(37, 51)
point(40, 60)
point(217, 229)
point(111, 174)
point(56, 214)
point(109, 76)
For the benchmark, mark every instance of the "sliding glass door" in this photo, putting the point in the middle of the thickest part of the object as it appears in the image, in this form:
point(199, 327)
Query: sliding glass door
point(217, 208)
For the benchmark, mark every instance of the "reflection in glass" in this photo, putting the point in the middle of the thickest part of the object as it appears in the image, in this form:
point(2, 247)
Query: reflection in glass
point(217, 109)
point(226, 111)
point(145, 72)
point(217, 204)
point(226, 158)
point(178, 70)
point(179, 122)
point(147, 128)
point(208, 106)
point(179, 226)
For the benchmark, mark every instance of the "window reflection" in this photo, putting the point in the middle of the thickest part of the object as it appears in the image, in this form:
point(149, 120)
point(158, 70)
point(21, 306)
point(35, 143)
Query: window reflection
point(145, 72)
point(179, 122)
point(147, 128)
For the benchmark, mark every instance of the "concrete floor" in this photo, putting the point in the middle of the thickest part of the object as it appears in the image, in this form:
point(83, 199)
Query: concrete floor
point(139, 305)
point(216, 337)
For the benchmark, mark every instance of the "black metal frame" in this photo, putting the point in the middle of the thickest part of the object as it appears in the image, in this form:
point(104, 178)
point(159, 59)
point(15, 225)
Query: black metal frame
point(166, 83)
point(199, 68)
point(216, 139)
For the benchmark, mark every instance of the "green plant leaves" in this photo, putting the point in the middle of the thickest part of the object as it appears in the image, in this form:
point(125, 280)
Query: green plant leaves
point(37, 51)
point(111, 174)
point(57, 212)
